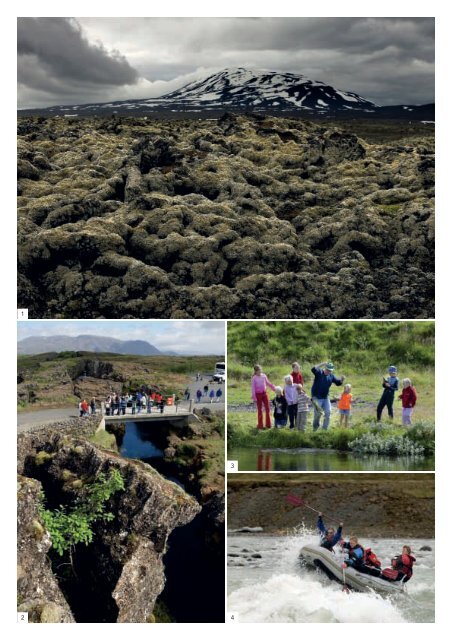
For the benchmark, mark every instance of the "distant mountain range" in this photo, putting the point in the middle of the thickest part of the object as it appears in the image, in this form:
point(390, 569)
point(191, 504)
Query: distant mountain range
point(98, 344)
point(249, 90)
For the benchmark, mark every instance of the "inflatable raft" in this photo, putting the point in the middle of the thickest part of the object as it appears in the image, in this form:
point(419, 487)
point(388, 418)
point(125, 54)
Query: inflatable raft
point(331, 564)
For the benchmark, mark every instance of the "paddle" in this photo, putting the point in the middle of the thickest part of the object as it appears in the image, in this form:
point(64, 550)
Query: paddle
point(299, 502)
point(344, 586)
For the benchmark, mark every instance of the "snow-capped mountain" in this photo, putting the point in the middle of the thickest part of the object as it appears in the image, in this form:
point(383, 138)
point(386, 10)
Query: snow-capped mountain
point(239, 88)
point(248, 90)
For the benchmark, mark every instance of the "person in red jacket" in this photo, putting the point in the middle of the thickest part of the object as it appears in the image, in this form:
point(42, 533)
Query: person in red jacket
point(404, 564)
point(84, 408)
point(296, 374)
point(408, 398)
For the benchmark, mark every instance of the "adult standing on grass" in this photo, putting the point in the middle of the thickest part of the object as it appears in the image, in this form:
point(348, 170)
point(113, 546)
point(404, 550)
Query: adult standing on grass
point(259, 384)
point(390, 386)
point(323, 379)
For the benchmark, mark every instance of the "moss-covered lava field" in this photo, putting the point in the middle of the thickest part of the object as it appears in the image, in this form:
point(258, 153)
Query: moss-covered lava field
point(241, 217)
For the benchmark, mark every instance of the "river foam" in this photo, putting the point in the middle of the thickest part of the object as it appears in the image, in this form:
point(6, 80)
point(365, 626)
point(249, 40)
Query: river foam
point(288, 598)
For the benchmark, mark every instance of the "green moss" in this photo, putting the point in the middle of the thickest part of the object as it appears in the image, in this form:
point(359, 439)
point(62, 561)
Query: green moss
point(105, 440)
point(38, 529)
point(77, 484)
point(161, 613)
point(389, 208)
point(43, 457)
point(78, 450)
point(67, 475)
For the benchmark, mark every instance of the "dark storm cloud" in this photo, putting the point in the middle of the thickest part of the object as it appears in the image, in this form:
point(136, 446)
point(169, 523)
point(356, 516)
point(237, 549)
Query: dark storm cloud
point(59, 47)
point(386, 60)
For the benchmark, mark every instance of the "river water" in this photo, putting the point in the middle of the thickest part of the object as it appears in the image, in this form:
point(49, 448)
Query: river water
point(275, 587)
point(194, 569)
point(253, 459)
point(138, 442)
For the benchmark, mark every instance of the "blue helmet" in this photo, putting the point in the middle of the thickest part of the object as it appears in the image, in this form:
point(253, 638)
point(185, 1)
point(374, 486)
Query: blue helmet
point(392, 369)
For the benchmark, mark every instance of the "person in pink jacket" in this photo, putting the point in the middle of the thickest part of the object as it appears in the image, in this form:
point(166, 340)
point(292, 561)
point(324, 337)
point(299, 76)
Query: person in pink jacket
point(259, 384)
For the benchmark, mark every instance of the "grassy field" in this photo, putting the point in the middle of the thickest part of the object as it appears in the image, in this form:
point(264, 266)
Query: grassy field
point(52, 380)
point(366, 389)
point(361, 351)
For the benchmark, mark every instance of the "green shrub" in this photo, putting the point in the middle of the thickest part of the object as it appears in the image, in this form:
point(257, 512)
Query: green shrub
point(72, 525)
point(392, 446)
point(423, 434)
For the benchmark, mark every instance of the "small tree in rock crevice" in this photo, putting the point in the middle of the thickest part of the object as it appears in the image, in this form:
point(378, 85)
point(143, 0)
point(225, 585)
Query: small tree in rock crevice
point(71, 525)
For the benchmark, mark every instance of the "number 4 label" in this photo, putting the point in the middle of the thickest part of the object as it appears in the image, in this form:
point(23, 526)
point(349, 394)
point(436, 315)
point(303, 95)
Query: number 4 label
point(22, 616)
point(232, 616)
point(233, 466)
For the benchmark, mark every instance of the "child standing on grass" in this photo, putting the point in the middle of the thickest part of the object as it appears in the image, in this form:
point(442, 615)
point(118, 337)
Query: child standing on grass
point(345, 405)
point(302, 407)
point(408, 398)
point(259, 384)
point(297, 377)
point(390, 386)
point(291, 394)
point(280, 408)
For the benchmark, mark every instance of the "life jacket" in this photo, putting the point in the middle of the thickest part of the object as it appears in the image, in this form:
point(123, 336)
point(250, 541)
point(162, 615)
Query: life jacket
point(327, 543)
point(404, 564)
point(371, 559)
point(390, 574)
point(352, 553)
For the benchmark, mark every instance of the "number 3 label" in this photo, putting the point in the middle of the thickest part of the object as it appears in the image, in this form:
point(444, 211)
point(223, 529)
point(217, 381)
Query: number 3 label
point(233, 466)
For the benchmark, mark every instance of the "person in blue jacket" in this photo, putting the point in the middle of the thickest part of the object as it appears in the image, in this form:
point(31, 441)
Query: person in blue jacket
point(329, 537)
point(323, 379)
point(355, 553)
point(390, 386)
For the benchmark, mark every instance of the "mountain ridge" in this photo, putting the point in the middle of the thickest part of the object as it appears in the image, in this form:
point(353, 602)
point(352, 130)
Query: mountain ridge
point(243, 89)
point(34, 345)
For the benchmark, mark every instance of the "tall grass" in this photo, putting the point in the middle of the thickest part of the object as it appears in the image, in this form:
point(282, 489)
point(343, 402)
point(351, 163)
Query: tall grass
point(362, 344)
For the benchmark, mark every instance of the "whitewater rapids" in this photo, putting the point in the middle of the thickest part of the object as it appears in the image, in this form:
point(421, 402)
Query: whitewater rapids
point(267, 583)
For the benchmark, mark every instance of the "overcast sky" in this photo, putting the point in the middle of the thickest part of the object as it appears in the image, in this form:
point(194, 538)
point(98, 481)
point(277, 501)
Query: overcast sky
point(192, 337)
point(79, 60)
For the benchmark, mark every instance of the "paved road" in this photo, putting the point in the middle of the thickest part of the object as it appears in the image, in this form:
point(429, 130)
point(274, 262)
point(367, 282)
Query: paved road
point(194, 386)
point(27, 420)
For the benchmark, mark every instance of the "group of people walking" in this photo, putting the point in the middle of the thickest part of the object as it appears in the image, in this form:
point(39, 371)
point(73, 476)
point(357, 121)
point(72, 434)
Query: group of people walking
point(86, 409)
point(364, 560)
point(292, 404)
point(116, 404)
point(212, 395)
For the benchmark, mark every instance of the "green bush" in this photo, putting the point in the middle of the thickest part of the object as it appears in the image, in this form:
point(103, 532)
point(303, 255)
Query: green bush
point(423, 434)
point(72, 525)
point(392, 446)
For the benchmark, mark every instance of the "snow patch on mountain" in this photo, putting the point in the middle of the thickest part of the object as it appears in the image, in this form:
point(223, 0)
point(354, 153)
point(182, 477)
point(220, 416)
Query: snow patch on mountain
point(244, 87)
